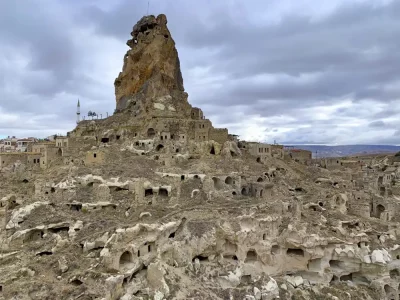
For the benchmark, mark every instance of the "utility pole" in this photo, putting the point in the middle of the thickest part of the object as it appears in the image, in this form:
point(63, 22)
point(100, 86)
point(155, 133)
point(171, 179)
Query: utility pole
point(148, 5)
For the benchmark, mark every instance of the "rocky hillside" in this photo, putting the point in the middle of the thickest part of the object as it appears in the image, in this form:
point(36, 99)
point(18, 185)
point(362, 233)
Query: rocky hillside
point(162, 205)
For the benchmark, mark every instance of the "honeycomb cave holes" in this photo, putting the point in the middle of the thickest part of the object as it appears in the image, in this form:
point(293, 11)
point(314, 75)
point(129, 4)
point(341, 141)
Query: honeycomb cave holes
point(379, 210)
point(295, 252)
point(390, 292)
point(76, 282)
point(229, 180)
point(125, 259)
point(394, 274)
point(151, 132)
point(163, 192)
point(231, 257)
point(251, 256)
point(148, 192)
point(201, 258)
point(217, 183)
point(275, 249)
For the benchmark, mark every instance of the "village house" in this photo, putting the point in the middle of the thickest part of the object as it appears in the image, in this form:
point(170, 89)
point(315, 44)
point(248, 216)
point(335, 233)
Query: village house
point(23, 144)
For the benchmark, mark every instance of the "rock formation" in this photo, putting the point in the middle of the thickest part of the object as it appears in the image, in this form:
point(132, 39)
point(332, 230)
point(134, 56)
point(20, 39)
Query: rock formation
point(155, 203)
point(151, 70)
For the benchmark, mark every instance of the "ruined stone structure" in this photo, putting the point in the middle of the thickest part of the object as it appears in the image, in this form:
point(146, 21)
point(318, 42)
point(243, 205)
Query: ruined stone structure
point(155, 203)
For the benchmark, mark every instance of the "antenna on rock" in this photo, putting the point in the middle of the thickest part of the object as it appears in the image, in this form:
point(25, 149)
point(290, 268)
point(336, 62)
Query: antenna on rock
point(148, 4)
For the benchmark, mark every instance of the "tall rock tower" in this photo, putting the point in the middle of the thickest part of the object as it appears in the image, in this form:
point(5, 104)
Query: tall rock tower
point(151, 81)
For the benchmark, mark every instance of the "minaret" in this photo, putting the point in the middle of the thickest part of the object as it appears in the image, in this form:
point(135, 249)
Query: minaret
point(78, 112)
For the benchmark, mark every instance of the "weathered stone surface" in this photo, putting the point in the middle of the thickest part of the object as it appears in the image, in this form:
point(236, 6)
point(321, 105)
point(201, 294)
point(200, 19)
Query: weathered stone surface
point(151, 75)
point(153, 202)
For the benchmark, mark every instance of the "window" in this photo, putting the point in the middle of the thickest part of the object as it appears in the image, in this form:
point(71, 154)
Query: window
point(94, 155)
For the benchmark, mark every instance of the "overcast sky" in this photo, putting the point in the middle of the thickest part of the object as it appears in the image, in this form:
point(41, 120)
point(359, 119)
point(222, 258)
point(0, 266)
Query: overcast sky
point(301, 71)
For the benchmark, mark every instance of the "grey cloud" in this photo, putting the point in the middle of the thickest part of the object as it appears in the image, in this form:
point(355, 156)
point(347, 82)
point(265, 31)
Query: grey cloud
point(350, 53)
point(377, 124)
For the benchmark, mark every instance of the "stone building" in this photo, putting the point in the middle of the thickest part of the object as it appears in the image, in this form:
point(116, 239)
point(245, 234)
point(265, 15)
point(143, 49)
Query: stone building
point(300, 155)
point(24, 144)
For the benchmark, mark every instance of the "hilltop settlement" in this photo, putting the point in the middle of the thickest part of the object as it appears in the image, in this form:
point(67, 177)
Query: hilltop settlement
point(154, 202)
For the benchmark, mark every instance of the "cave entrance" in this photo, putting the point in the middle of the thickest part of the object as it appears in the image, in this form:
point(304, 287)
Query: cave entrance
point(251, 256)
point(163, 192)
point(295, 252)
point(212, 151)
point(125, 259)
point(228, 180)
point(151, 132)
point(379, 210)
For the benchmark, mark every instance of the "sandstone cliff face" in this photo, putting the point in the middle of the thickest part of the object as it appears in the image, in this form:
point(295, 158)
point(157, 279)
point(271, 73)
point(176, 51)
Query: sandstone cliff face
point(151, 69)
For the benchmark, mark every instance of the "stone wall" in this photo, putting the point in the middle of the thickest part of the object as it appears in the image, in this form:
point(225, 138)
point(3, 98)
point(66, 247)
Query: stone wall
point(94, 157)
point(7, 159)
point(220, 135)
point(300, 155)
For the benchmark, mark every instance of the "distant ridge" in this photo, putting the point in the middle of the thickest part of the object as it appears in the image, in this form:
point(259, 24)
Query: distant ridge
point(320, 151)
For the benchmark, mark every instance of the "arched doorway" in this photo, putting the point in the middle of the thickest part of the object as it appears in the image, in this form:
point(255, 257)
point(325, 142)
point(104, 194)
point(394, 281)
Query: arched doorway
point(59, 152)
point(229, 180)
point(125, 259)
point(151, 132)
point(159, 147)
point(379, 210)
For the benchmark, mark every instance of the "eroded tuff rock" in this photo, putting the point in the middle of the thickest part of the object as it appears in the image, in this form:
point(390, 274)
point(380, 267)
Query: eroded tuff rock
point(151, 71)
point(155, 203)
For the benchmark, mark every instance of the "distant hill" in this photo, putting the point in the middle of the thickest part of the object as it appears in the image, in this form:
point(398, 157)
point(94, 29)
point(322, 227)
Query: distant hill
point(347, 150)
